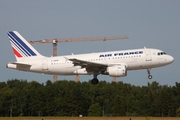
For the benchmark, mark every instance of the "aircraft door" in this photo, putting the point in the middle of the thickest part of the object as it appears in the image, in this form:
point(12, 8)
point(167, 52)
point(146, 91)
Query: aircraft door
point(148, 55)
point(45, 65)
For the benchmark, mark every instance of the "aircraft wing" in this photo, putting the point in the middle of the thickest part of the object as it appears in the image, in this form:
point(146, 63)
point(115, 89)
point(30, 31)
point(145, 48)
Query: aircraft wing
point(90, 66)
point(86, 63)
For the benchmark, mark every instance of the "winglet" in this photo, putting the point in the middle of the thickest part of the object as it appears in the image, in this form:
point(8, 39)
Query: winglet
point(66, 58)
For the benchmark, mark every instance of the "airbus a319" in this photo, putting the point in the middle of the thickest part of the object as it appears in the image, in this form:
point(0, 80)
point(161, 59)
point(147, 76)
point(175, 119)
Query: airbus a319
point(112, 63)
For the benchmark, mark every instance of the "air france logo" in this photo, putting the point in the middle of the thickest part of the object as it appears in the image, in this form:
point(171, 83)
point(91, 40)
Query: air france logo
point(121, 54)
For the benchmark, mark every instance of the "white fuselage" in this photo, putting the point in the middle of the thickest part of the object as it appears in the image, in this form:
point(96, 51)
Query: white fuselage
point(134, 59)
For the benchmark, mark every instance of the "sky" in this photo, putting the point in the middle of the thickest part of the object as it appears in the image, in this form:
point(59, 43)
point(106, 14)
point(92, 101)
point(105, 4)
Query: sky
point(150, 23)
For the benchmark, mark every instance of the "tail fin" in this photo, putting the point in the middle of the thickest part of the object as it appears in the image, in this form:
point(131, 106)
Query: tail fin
point(21, 48)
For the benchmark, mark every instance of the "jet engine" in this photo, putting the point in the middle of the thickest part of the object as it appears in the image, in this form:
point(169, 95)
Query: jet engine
point(117, 71)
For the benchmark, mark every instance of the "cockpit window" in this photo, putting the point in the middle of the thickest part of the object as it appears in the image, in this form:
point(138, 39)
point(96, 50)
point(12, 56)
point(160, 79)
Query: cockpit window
point(161, 53)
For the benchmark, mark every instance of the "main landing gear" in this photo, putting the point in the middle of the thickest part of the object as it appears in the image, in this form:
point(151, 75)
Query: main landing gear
point(149, 74)
point(95, 80)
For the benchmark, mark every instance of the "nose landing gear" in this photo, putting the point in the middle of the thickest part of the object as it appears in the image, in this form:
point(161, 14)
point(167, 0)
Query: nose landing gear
point(149, 74)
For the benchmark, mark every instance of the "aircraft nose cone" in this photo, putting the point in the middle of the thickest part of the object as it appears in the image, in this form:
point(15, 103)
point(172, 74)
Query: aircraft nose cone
point(171, 59)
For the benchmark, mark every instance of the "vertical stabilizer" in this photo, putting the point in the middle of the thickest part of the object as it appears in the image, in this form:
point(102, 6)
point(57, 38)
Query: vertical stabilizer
point(21, 48)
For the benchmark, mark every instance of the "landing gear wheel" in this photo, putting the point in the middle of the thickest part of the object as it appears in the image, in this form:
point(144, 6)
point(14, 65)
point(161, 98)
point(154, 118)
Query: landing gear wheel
point(94, 81)
point(150, 76)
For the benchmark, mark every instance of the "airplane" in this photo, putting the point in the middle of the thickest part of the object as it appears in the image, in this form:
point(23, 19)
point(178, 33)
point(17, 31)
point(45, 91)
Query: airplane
point(112, 63)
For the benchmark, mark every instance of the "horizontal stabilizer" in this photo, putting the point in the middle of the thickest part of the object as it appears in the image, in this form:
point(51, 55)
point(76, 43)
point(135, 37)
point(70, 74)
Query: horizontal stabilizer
point(21, 64)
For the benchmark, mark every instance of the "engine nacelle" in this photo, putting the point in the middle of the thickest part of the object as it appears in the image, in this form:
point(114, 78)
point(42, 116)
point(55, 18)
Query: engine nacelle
point(117, 71)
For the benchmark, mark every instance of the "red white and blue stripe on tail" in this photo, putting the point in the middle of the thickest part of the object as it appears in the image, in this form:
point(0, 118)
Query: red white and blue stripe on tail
point(20, 46)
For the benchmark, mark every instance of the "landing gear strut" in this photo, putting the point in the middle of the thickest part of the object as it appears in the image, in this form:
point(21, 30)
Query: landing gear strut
point(95, 80)
point(149, 74)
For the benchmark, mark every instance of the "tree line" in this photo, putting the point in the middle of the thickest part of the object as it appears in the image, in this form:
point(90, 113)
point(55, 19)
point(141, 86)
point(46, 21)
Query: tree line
point(68, 98)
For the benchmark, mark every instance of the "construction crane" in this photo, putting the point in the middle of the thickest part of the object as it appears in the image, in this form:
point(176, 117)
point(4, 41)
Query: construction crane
point(84, 39)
